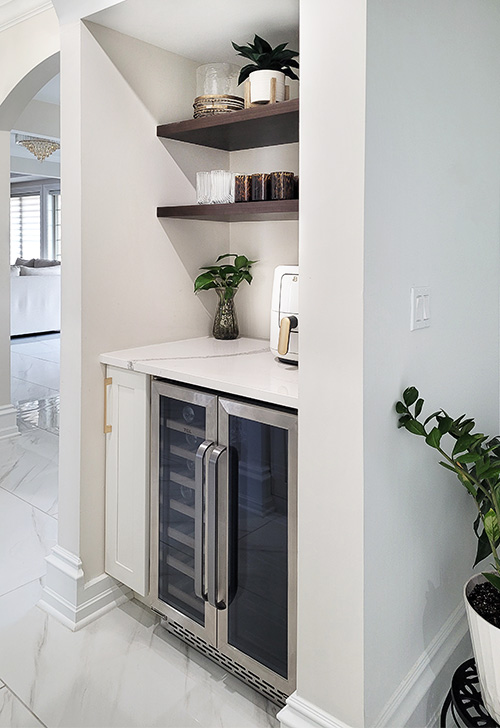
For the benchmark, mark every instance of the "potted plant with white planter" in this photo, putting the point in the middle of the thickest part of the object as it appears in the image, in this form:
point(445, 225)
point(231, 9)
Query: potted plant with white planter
point(266, 63)
point(475, 459)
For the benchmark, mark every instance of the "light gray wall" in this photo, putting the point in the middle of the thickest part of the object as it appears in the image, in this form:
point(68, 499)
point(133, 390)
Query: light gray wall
point(431, 219)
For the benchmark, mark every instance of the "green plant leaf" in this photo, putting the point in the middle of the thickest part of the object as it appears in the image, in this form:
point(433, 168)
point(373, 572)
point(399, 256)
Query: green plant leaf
point(262, 45)
point(418, 407)
point(288, 53)
point(290, 74)
point(494, 579)
point(491, 526)
point(281, 47)
point(482, 466)
point(469, 457)
point(403, 419)
point(491, 473)
point(224, 276)
point(415, 427)
point(483, 548)
point(246, 71)
point(410, 396)
point(401, 408)
point(448, 466)
point(468, 485)
point(434, 437)
point(240, 261)
point(203, 279)
point(430, 417)
point(467, 426)
point(444, 424)
point(462, 444)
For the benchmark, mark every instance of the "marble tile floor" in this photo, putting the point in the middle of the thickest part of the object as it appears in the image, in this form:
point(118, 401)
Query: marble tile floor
point(122, 670)
point(35, 376)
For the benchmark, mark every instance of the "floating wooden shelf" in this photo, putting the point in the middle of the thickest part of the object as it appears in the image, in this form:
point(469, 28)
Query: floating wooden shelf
point(260, 126)
point(235, 212)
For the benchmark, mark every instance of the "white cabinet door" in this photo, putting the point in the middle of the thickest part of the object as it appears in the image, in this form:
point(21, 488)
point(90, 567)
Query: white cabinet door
point(127, 478)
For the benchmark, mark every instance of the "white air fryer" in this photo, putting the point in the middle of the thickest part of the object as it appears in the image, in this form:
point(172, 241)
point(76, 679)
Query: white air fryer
point(285, 314)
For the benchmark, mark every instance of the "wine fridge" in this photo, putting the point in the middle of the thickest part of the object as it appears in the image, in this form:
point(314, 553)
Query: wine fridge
point(223, 552)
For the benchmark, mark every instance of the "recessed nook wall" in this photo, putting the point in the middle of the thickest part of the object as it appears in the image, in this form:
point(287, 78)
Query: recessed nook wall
point(132, 279)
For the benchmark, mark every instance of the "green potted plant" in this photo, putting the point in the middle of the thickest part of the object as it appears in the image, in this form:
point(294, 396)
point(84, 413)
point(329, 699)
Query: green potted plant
point(225, 279)
point(475, 459)
point(266, 63)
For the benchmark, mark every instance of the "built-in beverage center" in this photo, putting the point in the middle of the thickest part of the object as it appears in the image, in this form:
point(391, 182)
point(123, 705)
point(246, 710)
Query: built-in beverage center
point(206, 536)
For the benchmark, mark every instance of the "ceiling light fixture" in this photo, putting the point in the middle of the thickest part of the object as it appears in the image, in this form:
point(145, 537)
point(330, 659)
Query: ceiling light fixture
point(40, 148)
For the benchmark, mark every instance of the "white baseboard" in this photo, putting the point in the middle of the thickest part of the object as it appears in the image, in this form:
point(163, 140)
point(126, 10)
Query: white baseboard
point(415, 687)
point(411, 694)
point(8, 422)
point(72, 601)
point(300, 713)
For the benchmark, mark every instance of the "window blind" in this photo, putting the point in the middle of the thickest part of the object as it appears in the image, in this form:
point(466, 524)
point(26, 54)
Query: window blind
point(24, 227)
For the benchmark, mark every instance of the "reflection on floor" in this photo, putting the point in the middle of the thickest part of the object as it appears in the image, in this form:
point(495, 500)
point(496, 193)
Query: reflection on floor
point(35, 376)
point(121, 670)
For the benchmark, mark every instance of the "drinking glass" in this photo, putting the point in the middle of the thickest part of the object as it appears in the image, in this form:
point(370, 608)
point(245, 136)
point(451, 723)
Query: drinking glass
point(203, 188)
point(222, 184)
point(216, 186)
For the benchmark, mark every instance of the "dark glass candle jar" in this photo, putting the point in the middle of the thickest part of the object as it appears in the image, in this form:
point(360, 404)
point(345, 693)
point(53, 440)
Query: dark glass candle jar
point(242, 188)
point(282, 185)
point(260, 186)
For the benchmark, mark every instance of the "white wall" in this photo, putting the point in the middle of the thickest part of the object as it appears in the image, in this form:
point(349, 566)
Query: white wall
point(330, 600)
point(29, 43)
point(432, 219)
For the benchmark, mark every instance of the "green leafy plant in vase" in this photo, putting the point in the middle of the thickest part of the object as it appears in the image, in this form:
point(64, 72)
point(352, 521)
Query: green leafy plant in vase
point(475, 459)
point(266, 63)
point(225, 279)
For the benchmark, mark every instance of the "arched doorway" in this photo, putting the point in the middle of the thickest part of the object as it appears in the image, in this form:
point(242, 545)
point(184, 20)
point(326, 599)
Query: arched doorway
point(29, 455)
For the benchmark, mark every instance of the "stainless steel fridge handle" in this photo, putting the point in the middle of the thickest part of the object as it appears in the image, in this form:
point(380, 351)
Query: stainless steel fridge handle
point(199, 521)
point(212, 526)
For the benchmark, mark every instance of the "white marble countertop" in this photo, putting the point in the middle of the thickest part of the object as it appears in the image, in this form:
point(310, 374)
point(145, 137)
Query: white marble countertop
point(244, 367)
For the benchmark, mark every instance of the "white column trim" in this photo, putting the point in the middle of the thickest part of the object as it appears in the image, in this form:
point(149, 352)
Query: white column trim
point(300, 713)
point(8, 422)
point(69, 599)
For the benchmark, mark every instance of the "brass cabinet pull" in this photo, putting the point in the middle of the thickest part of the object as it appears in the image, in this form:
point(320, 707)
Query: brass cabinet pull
point(107, 382)
point(287, 324)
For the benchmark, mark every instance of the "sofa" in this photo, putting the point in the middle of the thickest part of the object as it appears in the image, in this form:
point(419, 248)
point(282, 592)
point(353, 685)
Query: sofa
point(35, 296)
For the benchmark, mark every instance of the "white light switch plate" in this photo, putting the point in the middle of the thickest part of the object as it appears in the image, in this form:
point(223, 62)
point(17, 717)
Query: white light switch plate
point(420, 300)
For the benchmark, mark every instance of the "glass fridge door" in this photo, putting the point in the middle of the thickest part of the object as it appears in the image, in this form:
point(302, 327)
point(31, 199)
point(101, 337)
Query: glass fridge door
point(184, 431)
point(257, 561)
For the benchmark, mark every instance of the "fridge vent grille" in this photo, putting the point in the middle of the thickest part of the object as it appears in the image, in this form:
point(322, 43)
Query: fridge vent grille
point(276, 696)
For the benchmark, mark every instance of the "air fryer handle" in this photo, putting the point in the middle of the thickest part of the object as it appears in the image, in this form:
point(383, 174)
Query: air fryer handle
point(287, 324)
